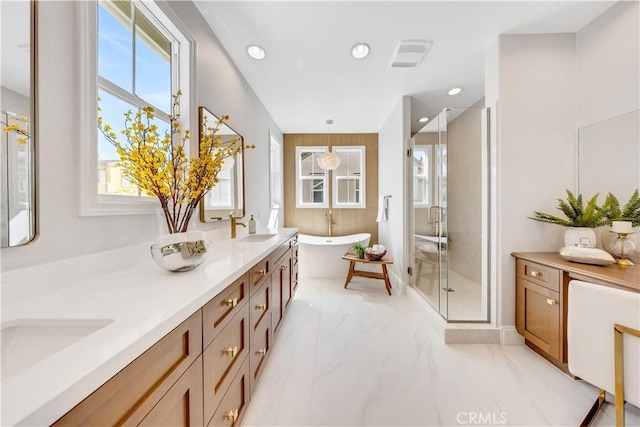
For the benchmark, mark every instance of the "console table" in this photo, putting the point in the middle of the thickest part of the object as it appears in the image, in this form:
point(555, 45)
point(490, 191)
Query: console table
point(542, 282)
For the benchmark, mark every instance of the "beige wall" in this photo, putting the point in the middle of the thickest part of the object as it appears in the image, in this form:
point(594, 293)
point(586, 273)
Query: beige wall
point(347, 221)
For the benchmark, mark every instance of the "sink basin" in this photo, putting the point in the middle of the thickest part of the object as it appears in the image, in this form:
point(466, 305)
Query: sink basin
point(256, 238)
point(26, 342)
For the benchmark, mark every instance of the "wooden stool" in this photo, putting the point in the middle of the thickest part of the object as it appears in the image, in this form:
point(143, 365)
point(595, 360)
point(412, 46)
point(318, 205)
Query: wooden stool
point(352, 258)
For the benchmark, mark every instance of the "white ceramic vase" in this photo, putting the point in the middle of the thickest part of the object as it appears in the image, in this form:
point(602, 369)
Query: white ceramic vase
point(580, 236)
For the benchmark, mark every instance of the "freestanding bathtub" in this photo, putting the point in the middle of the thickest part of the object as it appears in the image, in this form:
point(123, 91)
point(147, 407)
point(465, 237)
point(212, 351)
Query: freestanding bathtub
point(320, 256)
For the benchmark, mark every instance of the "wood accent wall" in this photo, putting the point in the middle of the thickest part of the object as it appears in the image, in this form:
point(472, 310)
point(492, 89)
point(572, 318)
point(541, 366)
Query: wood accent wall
point(347, 221)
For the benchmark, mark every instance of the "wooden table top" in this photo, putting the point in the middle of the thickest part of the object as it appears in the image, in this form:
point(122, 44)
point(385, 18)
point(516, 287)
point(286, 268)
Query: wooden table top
point(353, 257)
point(627, 277)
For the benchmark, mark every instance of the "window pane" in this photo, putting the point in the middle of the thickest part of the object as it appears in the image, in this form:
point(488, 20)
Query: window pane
point(313, 190)
point(153, 64)
point(309, 164)
point(349, 190)
point(114, 43)
point(110, 180)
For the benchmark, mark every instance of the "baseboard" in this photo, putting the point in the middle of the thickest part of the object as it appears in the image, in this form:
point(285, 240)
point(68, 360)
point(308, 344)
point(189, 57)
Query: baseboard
point(511, 337)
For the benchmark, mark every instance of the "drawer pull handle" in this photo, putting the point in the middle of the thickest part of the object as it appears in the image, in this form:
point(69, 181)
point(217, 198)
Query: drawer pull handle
point(230, 302)
point(231, 351)
point(262, 307)
point(261, 352)
point(284, 267)
point(535, 273)
point(262, 272)
point(551, 301)
point(231, 415)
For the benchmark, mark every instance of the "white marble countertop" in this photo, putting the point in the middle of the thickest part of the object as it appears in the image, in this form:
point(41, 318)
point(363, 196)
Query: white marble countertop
point(124, 286)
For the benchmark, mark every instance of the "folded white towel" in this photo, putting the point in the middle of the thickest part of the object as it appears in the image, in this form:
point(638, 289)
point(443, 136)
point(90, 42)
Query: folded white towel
point(380, 217)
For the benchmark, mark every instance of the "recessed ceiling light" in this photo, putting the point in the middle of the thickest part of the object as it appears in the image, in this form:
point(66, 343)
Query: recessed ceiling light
point(360, 50)
point(423, 119)
point(256, 52)
point(455, 91)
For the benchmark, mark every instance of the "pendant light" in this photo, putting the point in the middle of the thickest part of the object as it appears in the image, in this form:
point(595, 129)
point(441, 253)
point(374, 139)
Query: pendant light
point(329, 161)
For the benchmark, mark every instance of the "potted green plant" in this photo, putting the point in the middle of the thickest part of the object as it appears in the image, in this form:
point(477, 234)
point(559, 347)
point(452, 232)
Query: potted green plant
point(580, 220)
point(359, 249)
point(629, 212)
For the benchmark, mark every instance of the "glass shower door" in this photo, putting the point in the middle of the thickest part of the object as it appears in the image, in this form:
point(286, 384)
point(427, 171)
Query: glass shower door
point(450, 205)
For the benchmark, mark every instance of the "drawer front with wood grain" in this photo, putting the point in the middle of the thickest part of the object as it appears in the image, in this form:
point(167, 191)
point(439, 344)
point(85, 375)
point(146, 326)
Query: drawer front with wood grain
point(260, 304)
point(220, 310)
point(182, 405)
point(540, 274)
point(129, 396)
point(223, 358)
point(259, 273)
point(280, 252)
point(538, 316)
point(234, 404)
point(260, 345)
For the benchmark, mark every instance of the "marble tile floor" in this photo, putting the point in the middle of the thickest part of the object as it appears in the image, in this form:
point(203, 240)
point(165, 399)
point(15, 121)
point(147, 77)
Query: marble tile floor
point(465, 303)
point(350, 357)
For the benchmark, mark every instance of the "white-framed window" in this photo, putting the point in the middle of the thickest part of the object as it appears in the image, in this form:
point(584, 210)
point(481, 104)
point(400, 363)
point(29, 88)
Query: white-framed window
point(349, 190)
point(275, 172)
point(422, 159)
point(133, 55)
point(311, 180)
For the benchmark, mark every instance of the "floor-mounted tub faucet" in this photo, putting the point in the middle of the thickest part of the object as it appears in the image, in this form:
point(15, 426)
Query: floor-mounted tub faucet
point(330, 223)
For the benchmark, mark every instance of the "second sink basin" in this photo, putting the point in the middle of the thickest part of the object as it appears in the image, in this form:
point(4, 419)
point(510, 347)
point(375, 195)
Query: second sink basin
point(256, 237)
point(26, 342)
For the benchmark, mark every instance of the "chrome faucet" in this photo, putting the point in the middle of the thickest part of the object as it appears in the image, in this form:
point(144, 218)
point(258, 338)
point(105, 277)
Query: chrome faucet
point(234, 224)
point(330, 223)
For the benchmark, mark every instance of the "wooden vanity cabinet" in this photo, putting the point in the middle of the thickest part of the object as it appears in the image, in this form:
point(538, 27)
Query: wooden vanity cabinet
point(182, 405)
point(281, 285)
point(202, 372)
point(224, 358)
point(538, 307)
point(133, 393)
point(542, 290)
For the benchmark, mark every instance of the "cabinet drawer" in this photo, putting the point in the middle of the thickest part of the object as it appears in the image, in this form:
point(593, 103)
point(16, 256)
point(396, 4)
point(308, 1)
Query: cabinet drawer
point(259, 273)
point(129, 396)
point(182, 405)
point(223, 358)
point(235, 402)
point(220, 310)
point(261, 341)
point(538, 316)
point(260, 304)
point(540, 274)
point(278, 253)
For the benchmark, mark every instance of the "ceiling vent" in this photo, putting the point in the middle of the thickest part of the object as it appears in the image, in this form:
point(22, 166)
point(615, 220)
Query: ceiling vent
point(410, 53)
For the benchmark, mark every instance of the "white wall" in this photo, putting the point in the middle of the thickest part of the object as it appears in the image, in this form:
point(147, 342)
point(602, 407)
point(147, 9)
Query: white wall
point(536, 143)
point(546, 87)
point(392, 143)
point(607, 58)
point(62, 232)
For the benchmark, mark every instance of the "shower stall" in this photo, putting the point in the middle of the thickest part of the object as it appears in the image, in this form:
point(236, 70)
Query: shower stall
point(450, 207)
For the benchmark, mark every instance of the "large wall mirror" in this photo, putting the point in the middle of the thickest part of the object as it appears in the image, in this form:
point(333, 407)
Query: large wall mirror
point(608, 157)
point(17, 108)
point(227, 197)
